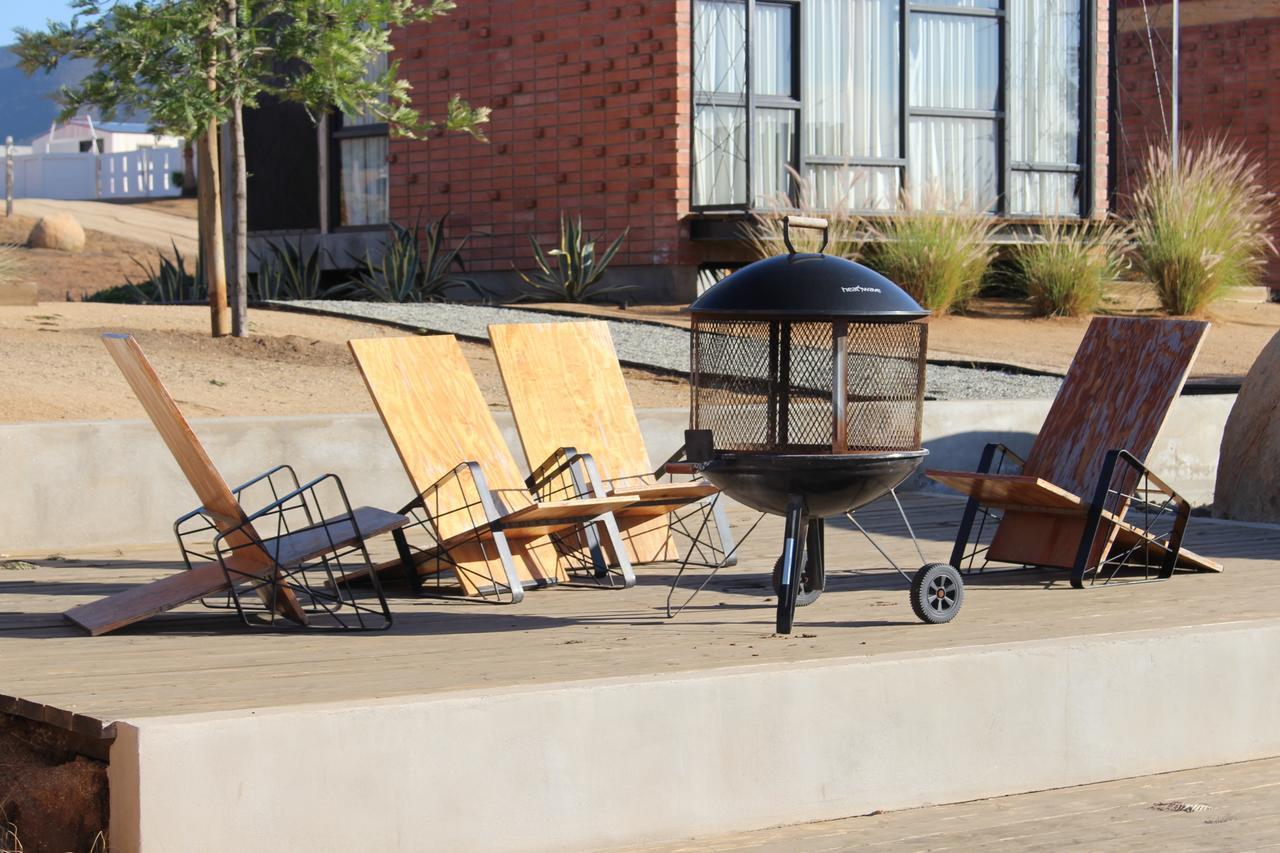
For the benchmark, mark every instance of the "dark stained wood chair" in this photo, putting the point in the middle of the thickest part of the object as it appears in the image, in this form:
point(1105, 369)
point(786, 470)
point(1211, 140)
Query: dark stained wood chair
point(1084, 499)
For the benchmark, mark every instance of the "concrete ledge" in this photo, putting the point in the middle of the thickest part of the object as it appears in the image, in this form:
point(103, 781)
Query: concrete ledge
point(112, 483)
point(612, 762)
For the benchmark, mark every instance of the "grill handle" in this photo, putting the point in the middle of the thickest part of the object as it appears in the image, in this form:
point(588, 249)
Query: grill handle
point(805, 222)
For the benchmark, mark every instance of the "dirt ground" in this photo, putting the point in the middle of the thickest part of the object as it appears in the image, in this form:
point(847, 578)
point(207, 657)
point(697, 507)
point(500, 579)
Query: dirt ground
point(106, 261)
point(53, 367)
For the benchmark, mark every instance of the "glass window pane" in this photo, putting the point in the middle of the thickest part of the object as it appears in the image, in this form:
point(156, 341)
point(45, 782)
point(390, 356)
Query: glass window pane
point(853, 187)
point(951, 162)
point(1044, 193)
point(771, 179)
point(1044, 81)
point(955, 62)
point(376, 68)
point(851, 78)
point(771, 43)
point(720, 47)
point(971, 4)
point(363, 183)
point(719, 155)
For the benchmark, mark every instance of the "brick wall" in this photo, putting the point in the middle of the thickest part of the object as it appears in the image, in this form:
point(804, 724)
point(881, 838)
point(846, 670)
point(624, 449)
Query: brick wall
point(590, 116)
point(1230, 69)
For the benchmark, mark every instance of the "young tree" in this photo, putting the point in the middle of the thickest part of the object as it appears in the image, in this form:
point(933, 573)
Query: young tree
point(193, 64)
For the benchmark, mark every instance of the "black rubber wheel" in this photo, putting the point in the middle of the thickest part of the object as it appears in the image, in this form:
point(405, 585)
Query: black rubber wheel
point(937, 591)
point(809, 590)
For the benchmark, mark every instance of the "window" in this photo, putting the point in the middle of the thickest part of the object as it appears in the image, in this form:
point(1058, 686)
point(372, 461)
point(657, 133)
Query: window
point(955, 101)
point(362, 164)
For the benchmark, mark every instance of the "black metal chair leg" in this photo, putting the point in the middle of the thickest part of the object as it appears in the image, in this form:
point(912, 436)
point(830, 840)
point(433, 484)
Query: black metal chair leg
point(411, 575)
point(792, 563)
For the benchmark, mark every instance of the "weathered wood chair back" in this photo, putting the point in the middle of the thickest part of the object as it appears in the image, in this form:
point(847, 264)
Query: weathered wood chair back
point(567, 390)
point(1117, 394)
point(437, 419)
point(212, 490)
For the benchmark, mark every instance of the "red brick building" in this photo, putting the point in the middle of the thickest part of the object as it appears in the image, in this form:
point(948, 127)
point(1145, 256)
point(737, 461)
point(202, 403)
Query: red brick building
point(1230, 68)
point(676, 118)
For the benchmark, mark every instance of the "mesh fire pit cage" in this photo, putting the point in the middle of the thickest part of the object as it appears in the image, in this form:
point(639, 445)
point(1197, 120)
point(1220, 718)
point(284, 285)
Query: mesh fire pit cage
point(807, 375)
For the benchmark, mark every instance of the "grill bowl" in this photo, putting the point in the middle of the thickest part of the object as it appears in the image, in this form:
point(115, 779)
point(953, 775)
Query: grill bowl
point(831, 484)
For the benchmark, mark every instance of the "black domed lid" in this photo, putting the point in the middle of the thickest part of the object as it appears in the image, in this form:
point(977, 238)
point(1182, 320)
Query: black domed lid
point(808, 285)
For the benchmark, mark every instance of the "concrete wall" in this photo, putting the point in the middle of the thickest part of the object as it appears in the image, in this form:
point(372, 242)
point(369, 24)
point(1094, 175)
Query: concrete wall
point(667, 757)
point(109, 483)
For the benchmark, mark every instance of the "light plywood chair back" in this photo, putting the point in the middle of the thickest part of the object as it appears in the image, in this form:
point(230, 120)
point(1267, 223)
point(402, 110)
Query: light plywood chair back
point(212, 490)
point(567, 390)
point(1117, 394)
point(437, 418)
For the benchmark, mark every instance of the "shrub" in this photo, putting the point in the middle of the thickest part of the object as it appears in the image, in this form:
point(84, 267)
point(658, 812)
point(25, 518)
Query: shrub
point(1066, 270)
point(763, 234)
point(1200, 227)
point(413, 271)
point(937, 256)
point(576, 272)
point(284, 272)
point(168, 283)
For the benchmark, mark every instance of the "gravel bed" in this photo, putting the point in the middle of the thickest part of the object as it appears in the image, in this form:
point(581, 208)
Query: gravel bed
point(656, 345)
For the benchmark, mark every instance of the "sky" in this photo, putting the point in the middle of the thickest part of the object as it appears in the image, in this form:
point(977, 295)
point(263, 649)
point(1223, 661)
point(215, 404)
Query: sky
point(31, 14)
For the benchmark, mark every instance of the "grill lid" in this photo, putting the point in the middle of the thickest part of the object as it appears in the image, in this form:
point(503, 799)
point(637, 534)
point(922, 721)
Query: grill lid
point(803, 284)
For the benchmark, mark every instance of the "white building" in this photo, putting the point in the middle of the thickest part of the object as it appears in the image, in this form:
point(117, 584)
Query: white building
point(82, 134)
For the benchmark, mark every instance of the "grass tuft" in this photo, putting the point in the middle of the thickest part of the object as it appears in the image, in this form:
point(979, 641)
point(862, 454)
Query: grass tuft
point(763, 234)
point(937, 256)
point(1066, 270)
point(1200, 227)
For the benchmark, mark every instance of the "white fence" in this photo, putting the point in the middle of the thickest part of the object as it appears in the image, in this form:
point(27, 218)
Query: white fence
point(147, 172)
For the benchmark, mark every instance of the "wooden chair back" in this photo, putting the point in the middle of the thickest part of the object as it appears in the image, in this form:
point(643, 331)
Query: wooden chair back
point(567, 390)
point(1117, 394)
point(437, 418)
point(212, 490)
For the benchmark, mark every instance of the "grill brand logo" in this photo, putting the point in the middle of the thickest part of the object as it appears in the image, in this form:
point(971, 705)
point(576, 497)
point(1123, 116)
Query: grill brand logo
point(857, 288)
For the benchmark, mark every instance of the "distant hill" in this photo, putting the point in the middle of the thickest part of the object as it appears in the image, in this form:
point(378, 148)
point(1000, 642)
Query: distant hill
point(26, 103)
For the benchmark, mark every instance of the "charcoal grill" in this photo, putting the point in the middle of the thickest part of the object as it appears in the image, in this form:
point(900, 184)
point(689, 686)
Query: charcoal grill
point(807, 375)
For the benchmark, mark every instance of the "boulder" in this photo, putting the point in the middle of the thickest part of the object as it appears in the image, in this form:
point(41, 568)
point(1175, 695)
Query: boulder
point(1248, 488)
point(58, 231)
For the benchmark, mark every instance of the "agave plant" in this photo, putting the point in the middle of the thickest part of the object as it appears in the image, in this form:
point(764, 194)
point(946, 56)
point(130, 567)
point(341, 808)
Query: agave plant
point(169, 283)
point(1201, 225)
point(284, 272)
point(410, 270)
point(1067, 269)
point(572, 272)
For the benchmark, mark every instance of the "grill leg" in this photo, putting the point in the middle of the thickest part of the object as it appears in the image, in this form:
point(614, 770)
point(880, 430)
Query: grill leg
point(793, 543)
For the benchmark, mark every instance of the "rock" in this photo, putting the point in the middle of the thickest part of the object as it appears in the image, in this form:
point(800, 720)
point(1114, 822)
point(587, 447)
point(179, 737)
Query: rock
point(58, 231)
point(1247, 488)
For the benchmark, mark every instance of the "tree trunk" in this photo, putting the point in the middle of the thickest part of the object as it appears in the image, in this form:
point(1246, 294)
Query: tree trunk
point(239, 207)
point(211, 247)
point(211, 243)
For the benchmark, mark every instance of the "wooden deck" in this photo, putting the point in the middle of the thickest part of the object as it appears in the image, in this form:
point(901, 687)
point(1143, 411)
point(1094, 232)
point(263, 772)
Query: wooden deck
point(192, 660)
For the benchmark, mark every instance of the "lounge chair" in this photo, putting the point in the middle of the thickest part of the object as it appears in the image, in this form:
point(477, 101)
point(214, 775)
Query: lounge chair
point(1084, 499)
point(295, 573)
point(481, 519)
point(568, 394)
